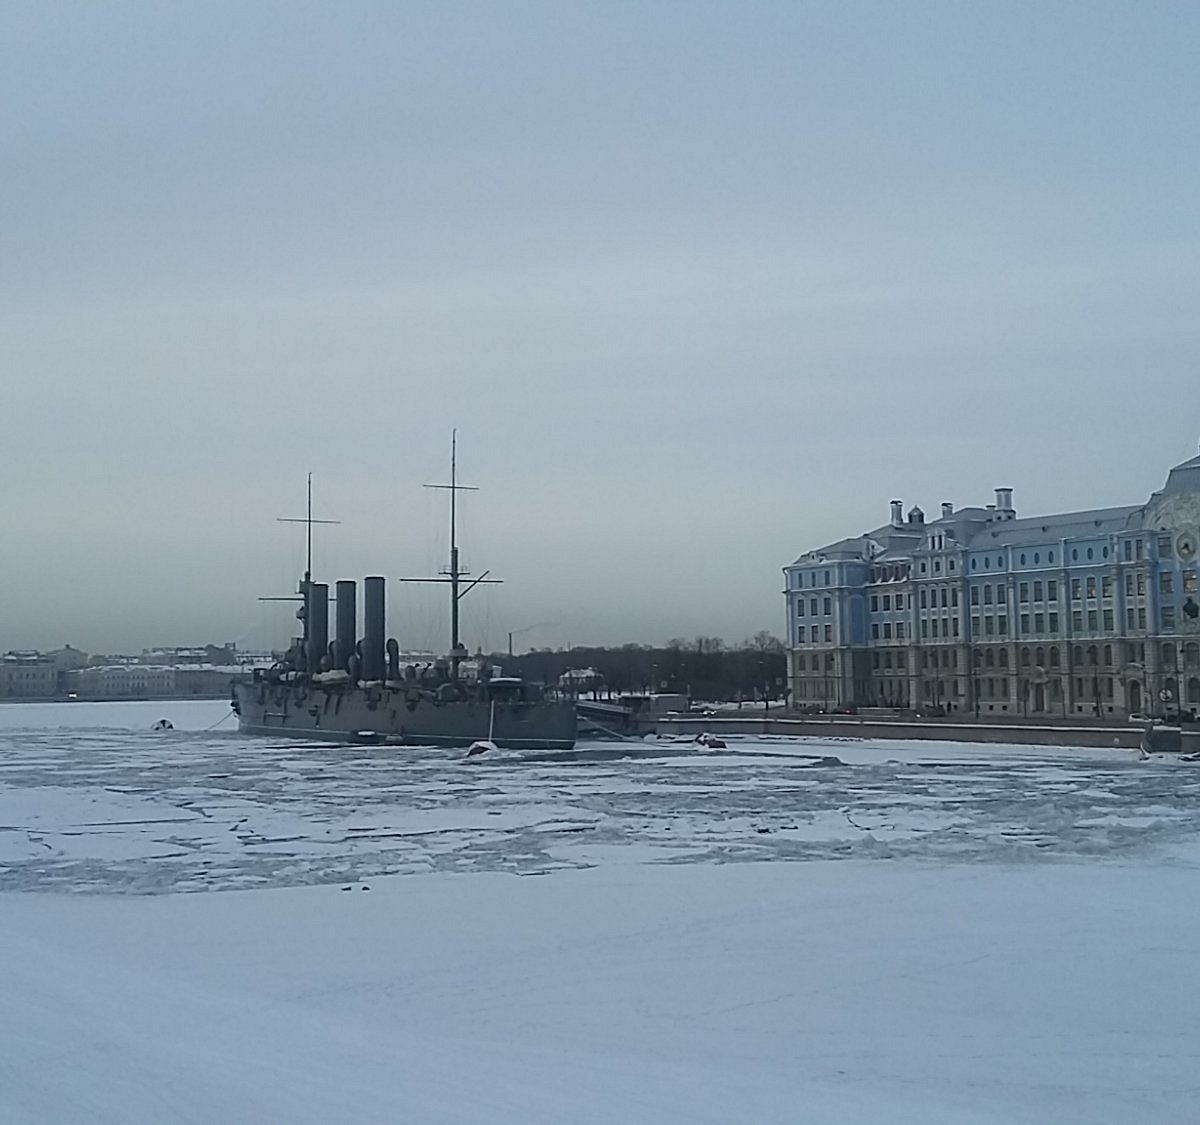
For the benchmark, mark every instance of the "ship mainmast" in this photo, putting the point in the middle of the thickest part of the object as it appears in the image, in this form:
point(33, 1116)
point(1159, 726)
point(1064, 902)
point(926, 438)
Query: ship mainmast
point(455, 573)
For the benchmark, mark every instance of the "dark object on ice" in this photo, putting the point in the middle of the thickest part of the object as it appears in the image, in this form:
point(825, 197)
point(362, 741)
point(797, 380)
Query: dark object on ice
point(163, 724)
point(710, 741)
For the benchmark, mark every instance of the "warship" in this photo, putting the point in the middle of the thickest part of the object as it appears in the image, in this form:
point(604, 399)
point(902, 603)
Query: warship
point(359, 689)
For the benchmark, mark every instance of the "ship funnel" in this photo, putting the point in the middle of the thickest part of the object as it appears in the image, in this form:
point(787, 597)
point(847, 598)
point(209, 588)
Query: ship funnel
point(318, 625)
point(373, 629)
point(347, 618)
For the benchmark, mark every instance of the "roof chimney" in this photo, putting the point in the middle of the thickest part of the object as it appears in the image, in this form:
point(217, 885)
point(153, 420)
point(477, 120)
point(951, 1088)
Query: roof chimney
point(897, 513)
point(1004, 499)
point(947, 509)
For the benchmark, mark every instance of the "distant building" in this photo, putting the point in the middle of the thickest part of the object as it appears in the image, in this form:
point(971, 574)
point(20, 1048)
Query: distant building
point(1079, 613)
point(27, 675)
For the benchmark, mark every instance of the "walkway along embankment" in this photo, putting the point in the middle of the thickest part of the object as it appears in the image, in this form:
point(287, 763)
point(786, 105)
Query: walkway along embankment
point(848, 726)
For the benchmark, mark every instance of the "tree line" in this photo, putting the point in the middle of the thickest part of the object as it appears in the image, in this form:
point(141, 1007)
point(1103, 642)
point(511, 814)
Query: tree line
point(704, 668)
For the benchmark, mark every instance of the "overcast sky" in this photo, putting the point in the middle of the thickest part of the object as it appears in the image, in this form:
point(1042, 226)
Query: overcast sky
point(701, 286)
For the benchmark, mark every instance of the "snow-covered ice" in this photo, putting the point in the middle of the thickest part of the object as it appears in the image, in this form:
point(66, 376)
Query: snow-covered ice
point(779, 931)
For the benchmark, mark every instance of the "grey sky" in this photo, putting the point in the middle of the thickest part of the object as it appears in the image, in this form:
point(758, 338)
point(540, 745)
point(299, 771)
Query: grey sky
point(701, 286)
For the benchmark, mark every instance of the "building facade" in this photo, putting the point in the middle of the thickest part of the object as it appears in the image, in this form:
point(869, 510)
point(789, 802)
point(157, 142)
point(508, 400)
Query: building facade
point(1081, 613)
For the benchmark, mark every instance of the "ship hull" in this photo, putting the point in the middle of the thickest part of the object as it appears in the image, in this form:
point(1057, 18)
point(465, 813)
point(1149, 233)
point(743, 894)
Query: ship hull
point(393, 716)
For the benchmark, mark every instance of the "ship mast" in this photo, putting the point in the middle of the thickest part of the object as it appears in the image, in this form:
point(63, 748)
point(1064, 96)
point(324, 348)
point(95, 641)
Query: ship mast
point(455, 573)
point(305, 588)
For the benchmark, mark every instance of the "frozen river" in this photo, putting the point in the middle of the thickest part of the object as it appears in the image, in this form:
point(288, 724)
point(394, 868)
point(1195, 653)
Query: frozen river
point(828, 931)
point(92, 799)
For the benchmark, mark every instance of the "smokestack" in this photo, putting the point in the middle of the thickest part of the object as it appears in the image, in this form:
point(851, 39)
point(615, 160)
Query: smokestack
point(1004, 499)
point(347, 624)
point(373, 629)
point(947, 509)
point(897, 514)
point(318, 625)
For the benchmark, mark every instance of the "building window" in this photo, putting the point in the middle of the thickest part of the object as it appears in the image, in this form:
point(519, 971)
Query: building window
point(1142, 617)
point(1023, 589)
point(1076, 589)
point(1024, 622)
point(1037, 591)
point(1077, 620)
point(899, 601)
point(1039, 622)
point(1166, 583)
point(974, 595)
point(1141, 585)
point(887, 601)
point(956, 626)
point(954, 597)
point(1052, 590)
point(828, 632)
point(875, 631)
point(1168, 617)
point(1002, 626)
point(1037, 558)
point(1128, 550)
point(1106, 586)
point(887, 630)
point(924, 628)
point(987, 595)
point(1189, 581)
point(1108, 620)
point(989, 626)
point(828, 606)
point(874, 603)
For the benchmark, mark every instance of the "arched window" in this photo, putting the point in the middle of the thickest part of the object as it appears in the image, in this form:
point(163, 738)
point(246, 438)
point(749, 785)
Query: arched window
point(1077, 656)
point(1024, 658)
point(1093, 655)
point(1108, 656)
point(1053, 656)
point(1168, 656)
point(1040, 658)
point(990, 659)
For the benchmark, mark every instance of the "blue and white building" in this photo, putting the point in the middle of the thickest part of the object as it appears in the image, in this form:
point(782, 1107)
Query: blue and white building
point(977, 610)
